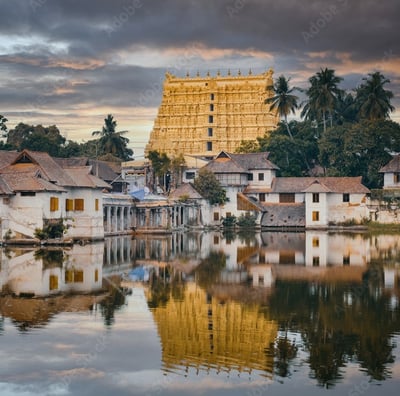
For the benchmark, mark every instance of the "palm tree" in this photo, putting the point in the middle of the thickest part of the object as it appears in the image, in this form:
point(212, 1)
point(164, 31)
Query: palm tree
point(322, 96)
point(112, 142)
point(284, 102)
point(372, 99)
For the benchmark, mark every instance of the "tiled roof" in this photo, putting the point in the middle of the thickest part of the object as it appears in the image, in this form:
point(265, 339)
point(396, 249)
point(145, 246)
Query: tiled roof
point(104, 170)
point(82, 177)
point(47, 164)
point(392, 166)
point(4, 187)
point(224, 165)
point(240, 163)
point(319, 184)
point(185, 189)
point(252, 161)
point(7, 157)
point(35, 171)
point(29, 180)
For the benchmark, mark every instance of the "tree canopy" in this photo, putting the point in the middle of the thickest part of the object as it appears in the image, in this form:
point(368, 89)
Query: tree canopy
point(209, 187)
point(111, 141)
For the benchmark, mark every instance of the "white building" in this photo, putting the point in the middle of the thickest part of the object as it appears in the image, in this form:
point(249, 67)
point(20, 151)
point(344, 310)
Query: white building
point(37, 193)
point(391, 173)
point(252, 188)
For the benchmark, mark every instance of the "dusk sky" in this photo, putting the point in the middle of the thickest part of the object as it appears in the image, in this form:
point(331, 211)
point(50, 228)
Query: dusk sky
point(72, 62)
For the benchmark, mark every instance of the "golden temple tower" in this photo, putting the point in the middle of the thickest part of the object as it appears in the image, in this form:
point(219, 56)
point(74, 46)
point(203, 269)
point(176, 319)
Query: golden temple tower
point(203, 115)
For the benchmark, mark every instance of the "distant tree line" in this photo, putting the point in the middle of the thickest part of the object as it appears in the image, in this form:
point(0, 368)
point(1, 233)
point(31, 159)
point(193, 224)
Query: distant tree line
point(341, 133)
point(110, 144)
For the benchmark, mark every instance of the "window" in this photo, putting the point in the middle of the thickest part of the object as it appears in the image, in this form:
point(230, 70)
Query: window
point(216, 239)
point(190, 175)
point(396, 178)
point(228, 214)
point(287, 257)
point(53, 282)
point(346, 260)
point(210, 119)
point(211, 107)
point(260, 176)
point(261, 197)
point(315, 216)
point(216, 216)
point(96, 275)
point(210, 131)
point(315, 242)
point(209, 146)
point(79, 204)
point(27, 194)
point(53, 204)
point(346, 197)
point(211, 96)
point(250, 177)
point(315, 197)
point(96, 204)
point(69, 205)
point(315, 261)
point(74, 276)
point(286, 198)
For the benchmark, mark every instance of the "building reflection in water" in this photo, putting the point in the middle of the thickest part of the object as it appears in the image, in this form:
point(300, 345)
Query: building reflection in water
point(249, 303)
point(230, 302)
point(72, 278)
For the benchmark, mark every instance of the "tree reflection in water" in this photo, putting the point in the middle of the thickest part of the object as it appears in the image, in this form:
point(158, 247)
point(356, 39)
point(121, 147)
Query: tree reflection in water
point(337, 322)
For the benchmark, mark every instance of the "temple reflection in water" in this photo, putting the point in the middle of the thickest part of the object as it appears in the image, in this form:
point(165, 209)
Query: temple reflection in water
point(223, 302)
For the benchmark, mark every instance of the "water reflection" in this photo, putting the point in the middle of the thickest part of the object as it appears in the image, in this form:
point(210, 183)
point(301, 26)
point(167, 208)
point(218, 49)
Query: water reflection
point(268, 305)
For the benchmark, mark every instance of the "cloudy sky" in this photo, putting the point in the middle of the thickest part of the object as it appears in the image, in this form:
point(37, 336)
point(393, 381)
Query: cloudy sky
point(71, 62)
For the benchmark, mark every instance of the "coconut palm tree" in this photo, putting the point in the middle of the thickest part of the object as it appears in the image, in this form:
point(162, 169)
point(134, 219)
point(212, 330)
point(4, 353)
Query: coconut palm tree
point(372, 100)
point(284, 102)
point(322, 96)
point(111, 141)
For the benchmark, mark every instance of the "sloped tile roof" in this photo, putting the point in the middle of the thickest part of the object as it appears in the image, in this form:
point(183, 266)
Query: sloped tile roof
point(7, 157)
point(252, 161)
point(392, 166)
point(47, 164)
point(319, 184)
point(29, 180)
point(104, 170)
point(224, 165)
point(4, 187)
point(82, 177)
point(239, 163)
point(35, 171)
point(185, 189)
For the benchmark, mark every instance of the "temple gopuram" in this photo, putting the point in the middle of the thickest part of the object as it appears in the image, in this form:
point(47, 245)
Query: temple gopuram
point(201, 116)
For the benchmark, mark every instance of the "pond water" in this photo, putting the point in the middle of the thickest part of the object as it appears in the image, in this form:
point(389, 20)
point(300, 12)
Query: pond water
point(269, 313)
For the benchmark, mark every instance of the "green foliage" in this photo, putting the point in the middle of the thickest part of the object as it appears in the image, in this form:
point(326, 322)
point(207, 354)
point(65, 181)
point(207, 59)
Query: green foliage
point(3, 126)
point(209, 187)
point(248, 146)
point(323, 95)
point(246, 221)
point(373, 100)
point(283, 101)
point(53, 229)
point(160, 162)
point(360, 149)
point(294, 155)
point(36, 138)
point(111, 141)
point(229, 221)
